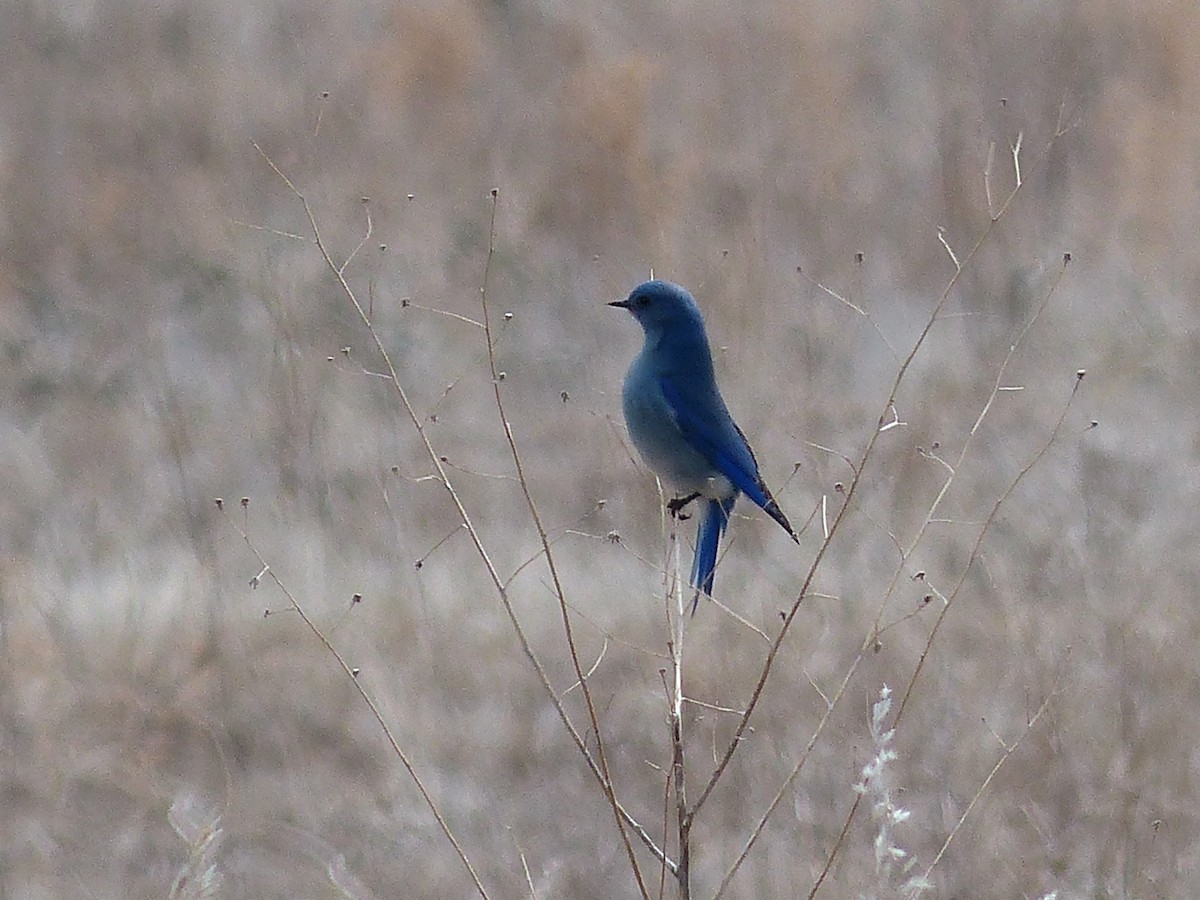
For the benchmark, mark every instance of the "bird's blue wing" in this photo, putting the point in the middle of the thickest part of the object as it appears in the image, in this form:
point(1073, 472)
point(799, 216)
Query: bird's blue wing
point(707, 426)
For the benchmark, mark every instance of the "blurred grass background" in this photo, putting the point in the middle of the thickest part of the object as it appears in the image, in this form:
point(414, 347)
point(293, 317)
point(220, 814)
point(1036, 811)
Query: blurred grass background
point(166, 343)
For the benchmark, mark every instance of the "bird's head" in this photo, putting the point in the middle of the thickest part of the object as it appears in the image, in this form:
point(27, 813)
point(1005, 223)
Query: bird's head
point(660, 306)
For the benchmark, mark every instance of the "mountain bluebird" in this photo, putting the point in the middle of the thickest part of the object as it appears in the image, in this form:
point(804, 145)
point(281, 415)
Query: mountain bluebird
point(680, 425)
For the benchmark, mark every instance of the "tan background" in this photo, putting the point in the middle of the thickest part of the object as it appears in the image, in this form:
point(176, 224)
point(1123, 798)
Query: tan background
point(165, 344)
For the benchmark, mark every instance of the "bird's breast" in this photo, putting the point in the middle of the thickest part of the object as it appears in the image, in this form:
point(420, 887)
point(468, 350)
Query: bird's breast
point(662, 445)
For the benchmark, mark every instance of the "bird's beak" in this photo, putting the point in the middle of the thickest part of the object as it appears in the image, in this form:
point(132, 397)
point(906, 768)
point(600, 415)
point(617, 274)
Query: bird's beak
point(623, 304)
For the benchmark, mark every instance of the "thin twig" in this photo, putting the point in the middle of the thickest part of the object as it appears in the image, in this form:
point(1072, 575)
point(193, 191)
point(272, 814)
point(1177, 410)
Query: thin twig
point(559, 591)
point(366, 236)
point(974, 554)
point(464, 517)
point(407, 303)
point(853, 306)
point(851, 491)
point(949, 598)
point(588, 674)
point(676, 618)
point(1008, 751)
point(353, 675)
point(787, 782)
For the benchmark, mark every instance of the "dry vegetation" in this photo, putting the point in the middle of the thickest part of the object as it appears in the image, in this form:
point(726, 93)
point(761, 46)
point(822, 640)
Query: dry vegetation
point(171, 335)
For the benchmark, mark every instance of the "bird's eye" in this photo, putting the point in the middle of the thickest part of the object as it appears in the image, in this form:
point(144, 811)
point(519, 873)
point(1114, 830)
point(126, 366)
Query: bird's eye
point(641, 302)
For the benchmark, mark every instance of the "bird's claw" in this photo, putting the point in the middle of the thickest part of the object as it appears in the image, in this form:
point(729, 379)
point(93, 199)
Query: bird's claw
point(675, 506)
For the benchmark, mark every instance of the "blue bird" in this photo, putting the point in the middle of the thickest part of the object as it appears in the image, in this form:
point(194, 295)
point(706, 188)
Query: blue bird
point(680, 425)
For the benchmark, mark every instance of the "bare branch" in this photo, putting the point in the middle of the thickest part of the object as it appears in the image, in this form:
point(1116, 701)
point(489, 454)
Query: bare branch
point(559, 591)
point(352, 675)
point(443, 477)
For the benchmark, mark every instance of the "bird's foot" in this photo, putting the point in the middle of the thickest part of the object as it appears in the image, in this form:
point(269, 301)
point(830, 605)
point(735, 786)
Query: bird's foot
point(675, 506)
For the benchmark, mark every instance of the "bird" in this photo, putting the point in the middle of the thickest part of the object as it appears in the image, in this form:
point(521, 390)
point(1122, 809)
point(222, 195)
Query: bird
point(678, 421)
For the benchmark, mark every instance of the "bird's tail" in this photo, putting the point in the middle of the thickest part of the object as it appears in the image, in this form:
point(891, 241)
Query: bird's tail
point(708, 542)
